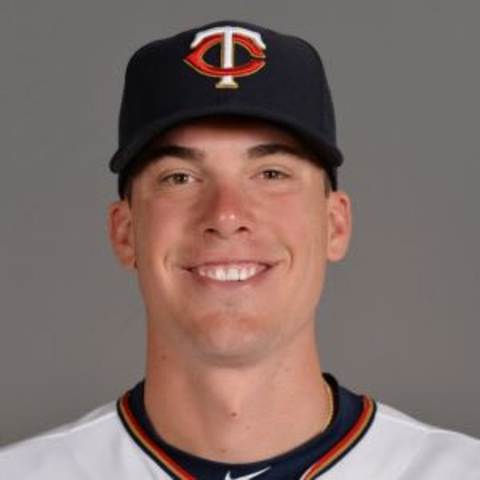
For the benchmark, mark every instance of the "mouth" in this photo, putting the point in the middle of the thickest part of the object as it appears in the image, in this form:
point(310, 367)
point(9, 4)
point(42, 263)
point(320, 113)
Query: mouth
point(230, 272)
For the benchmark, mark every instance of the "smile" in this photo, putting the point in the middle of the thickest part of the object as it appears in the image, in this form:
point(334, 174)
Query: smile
point(230, 272)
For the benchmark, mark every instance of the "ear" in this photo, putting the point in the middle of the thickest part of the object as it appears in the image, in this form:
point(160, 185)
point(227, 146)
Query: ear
point(120, 230)
point(339, 225)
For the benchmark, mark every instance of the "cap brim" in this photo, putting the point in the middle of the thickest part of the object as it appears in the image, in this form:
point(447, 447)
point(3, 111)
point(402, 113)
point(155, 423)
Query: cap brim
point(126, 154)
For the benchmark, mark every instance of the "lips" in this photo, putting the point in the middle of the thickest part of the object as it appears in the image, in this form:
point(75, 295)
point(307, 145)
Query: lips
point(230, 271)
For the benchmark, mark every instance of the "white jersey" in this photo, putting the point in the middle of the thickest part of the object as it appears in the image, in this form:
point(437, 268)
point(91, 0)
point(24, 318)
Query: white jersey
point(99, 446)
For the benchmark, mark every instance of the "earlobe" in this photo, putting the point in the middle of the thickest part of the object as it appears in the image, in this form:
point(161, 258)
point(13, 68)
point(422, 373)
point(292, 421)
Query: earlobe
point(339, 225)
point(120, 230)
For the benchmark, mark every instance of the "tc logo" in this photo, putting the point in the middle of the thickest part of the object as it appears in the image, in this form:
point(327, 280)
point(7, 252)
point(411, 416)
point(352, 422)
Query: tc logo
point(227, 37)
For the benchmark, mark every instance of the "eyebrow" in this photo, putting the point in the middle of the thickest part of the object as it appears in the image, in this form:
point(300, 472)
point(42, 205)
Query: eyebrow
point(197, 155)
point(266, 149)
point(185, 153)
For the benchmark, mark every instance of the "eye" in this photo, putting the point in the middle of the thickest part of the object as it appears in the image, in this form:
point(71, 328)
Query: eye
point(274, 174)
point(177, 178)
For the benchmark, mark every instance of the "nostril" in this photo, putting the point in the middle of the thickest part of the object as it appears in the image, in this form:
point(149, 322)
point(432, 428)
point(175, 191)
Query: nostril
point(225, 231)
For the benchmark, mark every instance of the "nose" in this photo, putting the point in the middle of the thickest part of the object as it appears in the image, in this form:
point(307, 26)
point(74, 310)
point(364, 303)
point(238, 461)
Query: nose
point(226, 213)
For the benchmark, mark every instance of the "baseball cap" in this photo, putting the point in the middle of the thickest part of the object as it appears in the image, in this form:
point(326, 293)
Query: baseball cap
point(226, 68)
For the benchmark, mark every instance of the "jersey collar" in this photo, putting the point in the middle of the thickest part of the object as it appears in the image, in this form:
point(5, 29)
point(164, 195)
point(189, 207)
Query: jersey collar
point(352, 419)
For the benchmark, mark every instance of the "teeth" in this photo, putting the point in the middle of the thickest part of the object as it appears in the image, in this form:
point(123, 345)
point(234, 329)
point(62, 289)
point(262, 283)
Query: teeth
point(233, 274)
point(229, 274)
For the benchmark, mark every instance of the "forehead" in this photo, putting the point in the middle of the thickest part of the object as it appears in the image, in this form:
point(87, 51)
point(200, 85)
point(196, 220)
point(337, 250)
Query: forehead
point(218, 130)
point(226, 132)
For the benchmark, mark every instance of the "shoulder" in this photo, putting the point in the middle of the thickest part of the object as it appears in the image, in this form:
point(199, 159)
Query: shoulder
point(87, 444)
point(402, 447)
point(393, 422)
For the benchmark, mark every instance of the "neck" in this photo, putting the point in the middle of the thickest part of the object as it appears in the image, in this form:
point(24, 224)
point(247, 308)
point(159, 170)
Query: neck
point(218, 413)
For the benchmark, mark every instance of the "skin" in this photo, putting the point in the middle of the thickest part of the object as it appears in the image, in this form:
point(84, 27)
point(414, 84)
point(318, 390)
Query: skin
point(235, 358)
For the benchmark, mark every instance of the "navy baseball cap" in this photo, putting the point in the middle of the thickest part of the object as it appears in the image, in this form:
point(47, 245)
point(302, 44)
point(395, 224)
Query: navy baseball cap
point(226, 68)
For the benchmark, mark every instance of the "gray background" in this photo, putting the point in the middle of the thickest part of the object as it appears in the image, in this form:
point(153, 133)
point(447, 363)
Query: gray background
point(399, 318)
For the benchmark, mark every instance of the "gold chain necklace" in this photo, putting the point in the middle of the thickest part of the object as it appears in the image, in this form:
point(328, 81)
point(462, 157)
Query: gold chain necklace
point(331, 407)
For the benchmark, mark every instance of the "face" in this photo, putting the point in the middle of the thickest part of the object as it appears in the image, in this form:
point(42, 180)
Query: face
point(230, 231)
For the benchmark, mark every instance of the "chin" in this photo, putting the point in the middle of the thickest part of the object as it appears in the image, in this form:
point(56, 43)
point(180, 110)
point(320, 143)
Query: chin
point(231, 339)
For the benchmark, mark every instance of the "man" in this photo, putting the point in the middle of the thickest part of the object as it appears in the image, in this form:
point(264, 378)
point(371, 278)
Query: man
point(229, 212)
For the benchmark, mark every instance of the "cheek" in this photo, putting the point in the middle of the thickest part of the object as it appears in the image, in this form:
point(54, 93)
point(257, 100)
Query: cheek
point(304, 229)
point(156, 230)
point(303, 223)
